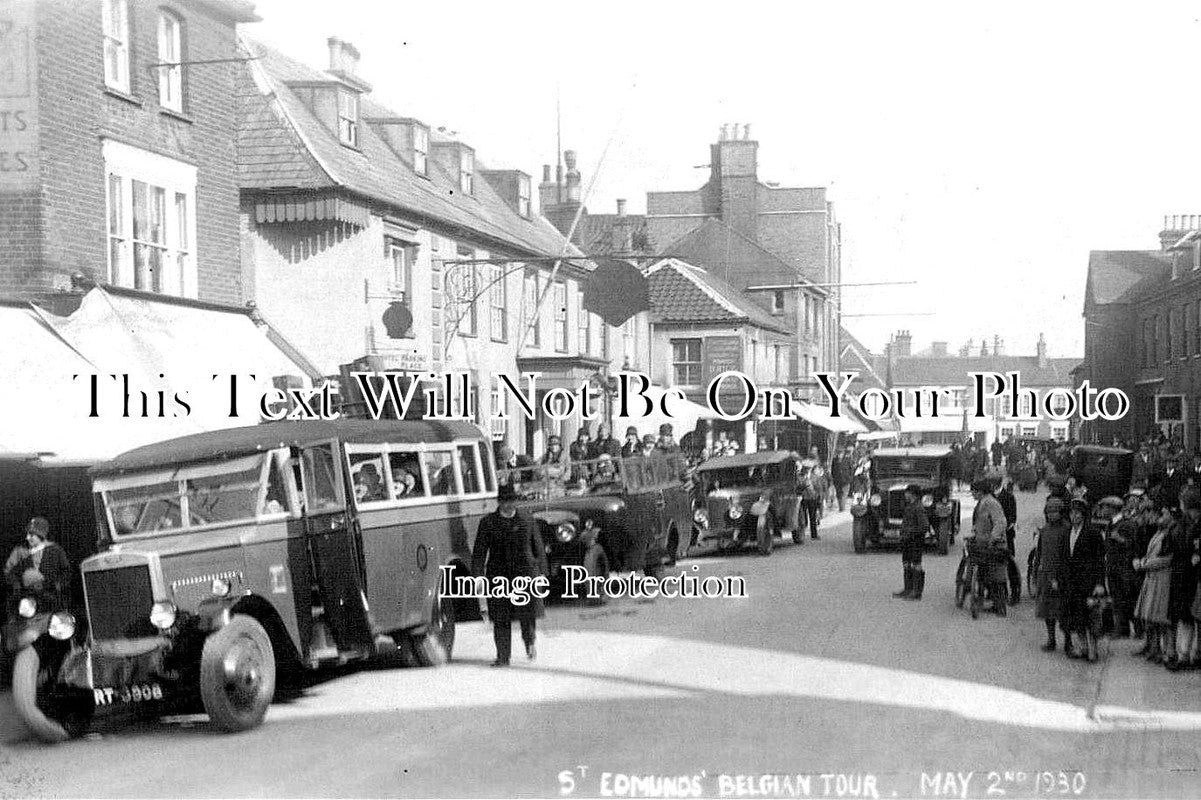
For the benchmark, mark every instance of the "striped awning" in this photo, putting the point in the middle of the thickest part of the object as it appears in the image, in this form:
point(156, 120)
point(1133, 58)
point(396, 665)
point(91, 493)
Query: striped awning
point(303, 208)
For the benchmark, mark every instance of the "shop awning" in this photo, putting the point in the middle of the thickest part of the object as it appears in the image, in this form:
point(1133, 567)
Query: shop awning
point(685, 416)
point(820, 416)
point(161, 354)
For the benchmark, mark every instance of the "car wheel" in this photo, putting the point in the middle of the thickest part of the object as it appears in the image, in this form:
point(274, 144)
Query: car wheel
point(859, 536)
point(763, 535)
point(33, 695)
point(596, 563)
point(237, 675)
point(961, 585)
point(434, 647)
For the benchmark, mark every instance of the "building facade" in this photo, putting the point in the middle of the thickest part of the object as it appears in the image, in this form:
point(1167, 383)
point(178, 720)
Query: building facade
point(117, 142)
point(369, 236)
point(1142, 317)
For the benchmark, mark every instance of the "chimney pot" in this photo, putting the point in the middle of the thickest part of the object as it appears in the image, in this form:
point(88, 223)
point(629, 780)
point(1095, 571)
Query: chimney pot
point(546, 173)
point(621, 207)
point(724, 128)
point(746, 131)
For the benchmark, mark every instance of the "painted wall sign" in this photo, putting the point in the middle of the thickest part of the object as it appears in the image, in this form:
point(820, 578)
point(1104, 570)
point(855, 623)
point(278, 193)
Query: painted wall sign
point(18, 97)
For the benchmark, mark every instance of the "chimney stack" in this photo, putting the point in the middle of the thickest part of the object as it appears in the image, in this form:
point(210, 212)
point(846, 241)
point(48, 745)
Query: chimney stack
point(998, 345)
point(343, 56)
point(621, 207)
point(746, 132)
point(1042, 352)
point(724, 132)
point(903, 344)
point(938, 348)
point(546, 173)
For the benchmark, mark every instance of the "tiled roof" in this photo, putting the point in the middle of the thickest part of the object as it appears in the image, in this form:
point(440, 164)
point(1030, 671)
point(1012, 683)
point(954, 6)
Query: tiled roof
point(1116, 276)
point(373, 171)
point(595, 233)
point(857, 358)
point(954, 371)
point(681, 292)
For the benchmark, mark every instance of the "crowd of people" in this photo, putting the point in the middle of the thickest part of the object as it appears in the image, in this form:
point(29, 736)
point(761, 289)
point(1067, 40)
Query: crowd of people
point(1126, 566)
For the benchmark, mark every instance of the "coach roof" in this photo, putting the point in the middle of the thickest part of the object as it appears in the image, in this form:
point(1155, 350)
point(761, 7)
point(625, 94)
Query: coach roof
point(232, 442)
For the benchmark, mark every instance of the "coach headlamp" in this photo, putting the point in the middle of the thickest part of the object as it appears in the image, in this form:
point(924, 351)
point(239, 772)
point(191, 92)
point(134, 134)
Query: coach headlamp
point(565, 532)
point(162, 615)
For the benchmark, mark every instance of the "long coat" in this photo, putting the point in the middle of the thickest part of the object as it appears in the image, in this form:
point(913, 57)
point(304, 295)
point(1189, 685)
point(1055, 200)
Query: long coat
point(1182, 585)
point(1052, 549)
point(50, 564)
point(509, 548)
point(1152, 605)
point(1083, 571)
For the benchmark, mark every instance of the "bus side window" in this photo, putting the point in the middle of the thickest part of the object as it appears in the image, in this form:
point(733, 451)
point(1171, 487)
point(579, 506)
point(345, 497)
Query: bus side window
point(276, 501)
point(471, 478)
point(440, 466)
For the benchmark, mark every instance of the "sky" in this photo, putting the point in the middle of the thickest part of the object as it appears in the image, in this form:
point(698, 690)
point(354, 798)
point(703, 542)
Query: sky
point(981, 150)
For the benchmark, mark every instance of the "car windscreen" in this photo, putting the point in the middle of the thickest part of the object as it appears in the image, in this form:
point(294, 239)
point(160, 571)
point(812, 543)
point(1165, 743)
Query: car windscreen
point(186, 498)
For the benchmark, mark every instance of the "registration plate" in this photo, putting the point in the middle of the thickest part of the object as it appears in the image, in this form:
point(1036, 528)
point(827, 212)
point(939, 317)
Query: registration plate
point(119, 695)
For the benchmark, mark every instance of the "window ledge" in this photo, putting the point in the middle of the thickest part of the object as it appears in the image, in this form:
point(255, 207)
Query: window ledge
point(179, 115)
point(122, 95)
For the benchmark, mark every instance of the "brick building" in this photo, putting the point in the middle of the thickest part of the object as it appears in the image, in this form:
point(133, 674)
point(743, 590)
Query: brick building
point(1142, 317)
point(936, 368)
point(112, 167)
point(368, 233)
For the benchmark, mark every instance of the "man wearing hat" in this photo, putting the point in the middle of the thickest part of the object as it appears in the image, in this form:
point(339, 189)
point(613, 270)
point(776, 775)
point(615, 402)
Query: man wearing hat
point(604, 443)
point(38, 565)
point(988, 531)
point(633, 445)
point(507, 545)
point(1119, 557)
point(667, 440)
point(914, 525)
point(648, 445)
point(1083, 577)
point(1048, 561)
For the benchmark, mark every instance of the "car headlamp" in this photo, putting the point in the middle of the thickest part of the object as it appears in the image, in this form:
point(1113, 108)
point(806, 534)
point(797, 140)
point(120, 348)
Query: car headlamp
point(875, 500)
point(735, 511)
point(162, 615)
point(701, 517)
point(565, 532)
point(927, 501)
point(221, 587)
point(27, 607)
point(62, 626)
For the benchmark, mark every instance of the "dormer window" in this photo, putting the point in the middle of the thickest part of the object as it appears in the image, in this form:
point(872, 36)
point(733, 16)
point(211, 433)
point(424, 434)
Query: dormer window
point(467, 172)
point(421, 150)
point(777, 301)
point(523, 196)
point(348, 118)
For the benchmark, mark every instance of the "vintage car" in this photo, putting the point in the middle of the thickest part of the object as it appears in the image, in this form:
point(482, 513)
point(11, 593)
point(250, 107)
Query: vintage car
point(747, 499)
point(1102, 471)
point(232, 556)
point(876, 518)
point(610, 513)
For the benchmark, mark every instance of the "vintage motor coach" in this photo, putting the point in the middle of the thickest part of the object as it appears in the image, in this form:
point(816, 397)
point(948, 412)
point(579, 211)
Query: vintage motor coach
point(749, 498)
point(877, 517)
point(609, 513)
point(231, 554)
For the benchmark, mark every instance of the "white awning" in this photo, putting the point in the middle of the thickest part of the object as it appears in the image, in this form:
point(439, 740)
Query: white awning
point(166, 349)
point(820, 416)
point(685, 415)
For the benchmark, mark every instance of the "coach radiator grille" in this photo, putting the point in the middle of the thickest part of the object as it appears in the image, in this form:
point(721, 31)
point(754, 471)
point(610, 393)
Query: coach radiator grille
point(119, 602)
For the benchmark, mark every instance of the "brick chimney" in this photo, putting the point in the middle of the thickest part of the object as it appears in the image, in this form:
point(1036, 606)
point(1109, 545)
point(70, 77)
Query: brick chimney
point(1042, 352)
point(998, 345)
point(902, 344)
point(733, 180)
point(1175, 226)
point(938, 348)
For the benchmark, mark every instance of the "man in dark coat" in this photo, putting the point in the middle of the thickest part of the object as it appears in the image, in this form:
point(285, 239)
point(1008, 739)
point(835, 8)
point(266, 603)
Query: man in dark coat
point(1120, 553)
point(604, 443)
point(840, 476)
point(1083, 576)
point(1182, 587)
point(1009, 504)
point(507, 546)
point(39, 565)
point(915, 524)
point(633, 444)
point(1171, 482)
point(1048, 562)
